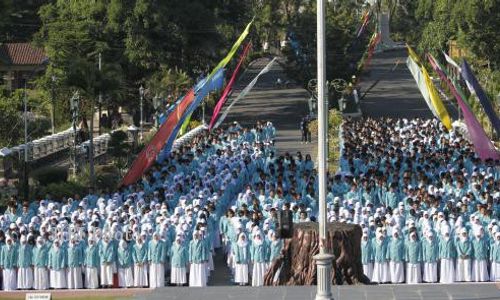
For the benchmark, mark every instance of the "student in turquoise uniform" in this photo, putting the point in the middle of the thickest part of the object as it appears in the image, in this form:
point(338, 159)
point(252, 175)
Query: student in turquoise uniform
point(140, 259)
point(24, 264)
point(198, 259)
point(464, 257)
point(58, 262)
point(381, 273)
point(91, 263)
point(107, 255)
point(413, 259)
point(480, 256)
point(495, 258)
point(178, 262)
point(259, 254)
point(447, 255)
point(8, 264)
point(366, 254)
point(125, 264)
point(430, 256)
point(396, 251)
point(40, 263)
point(157, 254)
point(241, 253)
point(75, 262)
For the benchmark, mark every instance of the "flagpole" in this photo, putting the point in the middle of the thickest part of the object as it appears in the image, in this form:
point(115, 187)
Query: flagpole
point(323, 259)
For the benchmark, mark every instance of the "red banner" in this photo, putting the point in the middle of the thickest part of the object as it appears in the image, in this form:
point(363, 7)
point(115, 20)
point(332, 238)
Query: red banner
point(147, 157)
point(229, 87)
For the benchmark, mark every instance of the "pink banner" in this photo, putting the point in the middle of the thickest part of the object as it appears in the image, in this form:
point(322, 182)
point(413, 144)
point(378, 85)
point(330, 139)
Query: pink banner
point(483, 145)
point(228, 88)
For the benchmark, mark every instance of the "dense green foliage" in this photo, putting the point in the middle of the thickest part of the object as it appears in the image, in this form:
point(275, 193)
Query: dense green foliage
point(473, 24)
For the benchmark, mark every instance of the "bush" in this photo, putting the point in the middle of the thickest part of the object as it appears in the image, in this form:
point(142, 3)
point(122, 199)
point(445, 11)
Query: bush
point(49, 175)
point(63, 189)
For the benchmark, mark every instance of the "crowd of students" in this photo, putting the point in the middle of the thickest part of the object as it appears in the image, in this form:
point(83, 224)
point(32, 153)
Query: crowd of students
point(427, 205)
point(165, 226)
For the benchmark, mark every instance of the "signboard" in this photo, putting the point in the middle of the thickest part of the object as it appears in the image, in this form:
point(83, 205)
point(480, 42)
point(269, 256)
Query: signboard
point(38, 296)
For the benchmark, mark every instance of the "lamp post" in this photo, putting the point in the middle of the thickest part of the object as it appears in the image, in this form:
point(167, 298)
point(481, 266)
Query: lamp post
point(323, 259)
point(141, 94)
point(53, 111)
point(74, 105)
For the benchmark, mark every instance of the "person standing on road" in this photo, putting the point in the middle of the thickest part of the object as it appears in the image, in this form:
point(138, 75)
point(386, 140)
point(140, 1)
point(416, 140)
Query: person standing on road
point(304, 128)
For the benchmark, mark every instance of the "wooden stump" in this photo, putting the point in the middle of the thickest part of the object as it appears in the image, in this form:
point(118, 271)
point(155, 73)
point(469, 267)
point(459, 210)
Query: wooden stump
point(296, 265)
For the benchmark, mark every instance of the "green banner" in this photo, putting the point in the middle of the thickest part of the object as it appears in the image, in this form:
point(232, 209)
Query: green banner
point(221, 64)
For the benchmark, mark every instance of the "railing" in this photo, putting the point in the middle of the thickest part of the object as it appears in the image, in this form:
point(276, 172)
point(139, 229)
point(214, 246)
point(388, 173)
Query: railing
point(46, 146)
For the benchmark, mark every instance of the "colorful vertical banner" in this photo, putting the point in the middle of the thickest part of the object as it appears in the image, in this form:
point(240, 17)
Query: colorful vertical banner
point(147, 157)
point(209, 84)
point(222, 64)
point(245, 91)
point(482, 144)
point(365, 20)
point(229, 87)
point(476, 89)
point(424, 83)
point(419, 79)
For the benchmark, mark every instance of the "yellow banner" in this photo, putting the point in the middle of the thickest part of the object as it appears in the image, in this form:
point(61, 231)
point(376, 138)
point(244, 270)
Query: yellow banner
point(436, 101)
point(221, 64)
point(413, 55)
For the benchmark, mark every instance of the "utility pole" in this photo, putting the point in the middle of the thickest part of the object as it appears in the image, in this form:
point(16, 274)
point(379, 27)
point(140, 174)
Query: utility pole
point(141, 94)
point(91, 138)
point(53, 111)
point(26, 187)
point(323, 259)
point(100, 95)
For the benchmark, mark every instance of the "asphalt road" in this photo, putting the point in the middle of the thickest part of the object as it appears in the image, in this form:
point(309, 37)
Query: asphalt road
point(395, 93)
point(284, 107)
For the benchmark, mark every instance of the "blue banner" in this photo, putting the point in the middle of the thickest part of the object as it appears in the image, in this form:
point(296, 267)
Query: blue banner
point(202, 89)
point(475, 88)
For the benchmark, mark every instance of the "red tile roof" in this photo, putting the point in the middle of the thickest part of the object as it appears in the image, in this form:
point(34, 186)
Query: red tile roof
point(21, 54)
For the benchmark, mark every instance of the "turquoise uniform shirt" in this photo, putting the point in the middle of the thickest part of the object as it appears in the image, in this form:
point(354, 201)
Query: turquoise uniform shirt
point(241, 254)
point(57, 258)
point(8, 256)
point(413, 252)
point(92, 256)
point(157, 252)
point(125, 259)
point(259, 253)
point(396, 250)
point(41, 256)
point(430, 251)
point(178, 256)
point(25, 256)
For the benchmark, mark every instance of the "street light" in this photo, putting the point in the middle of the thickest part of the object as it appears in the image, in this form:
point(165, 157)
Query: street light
point(323, 259)
point(141, 94)
point(53, 111)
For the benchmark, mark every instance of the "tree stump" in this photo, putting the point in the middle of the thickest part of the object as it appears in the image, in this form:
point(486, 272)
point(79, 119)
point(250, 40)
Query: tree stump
point(296, 265)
